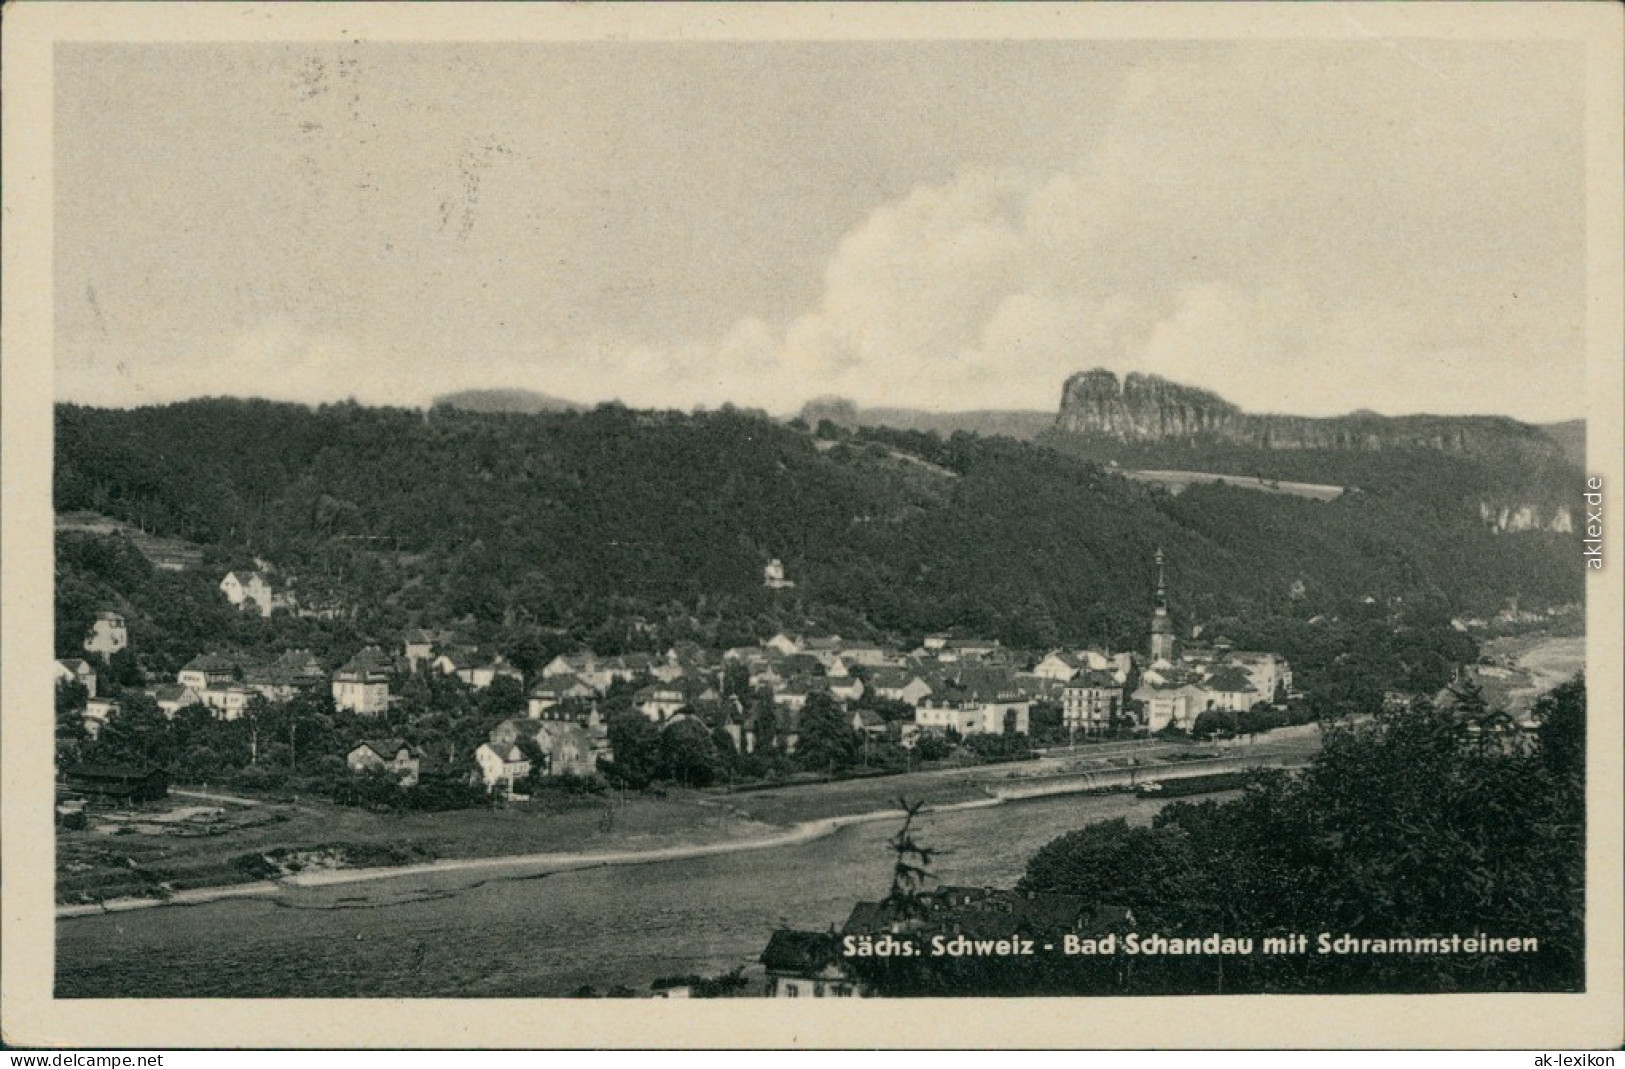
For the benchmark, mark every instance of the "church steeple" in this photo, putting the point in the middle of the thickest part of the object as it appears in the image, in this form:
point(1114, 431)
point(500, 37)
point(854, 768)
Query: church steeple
point(1162, 628)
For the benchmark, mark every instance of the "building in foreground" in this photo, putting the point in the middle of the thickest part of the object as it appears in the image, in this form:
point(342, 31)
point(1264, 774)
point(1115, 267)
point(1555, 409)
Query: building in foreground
point(118, 783)
point(807, 965)
point(394, 756)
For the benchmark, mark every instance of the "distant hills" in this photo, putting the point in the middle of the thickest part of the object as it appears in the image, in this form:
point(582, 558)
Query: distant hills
point(1518, 477)
point(525, 402)
point(1021, 424)
point(1147, 408)
point(1571, 435)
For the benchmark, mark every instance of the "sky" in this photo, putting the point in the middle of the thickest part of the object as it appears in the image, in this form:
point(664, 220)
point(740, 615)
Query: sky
point(1304, 227)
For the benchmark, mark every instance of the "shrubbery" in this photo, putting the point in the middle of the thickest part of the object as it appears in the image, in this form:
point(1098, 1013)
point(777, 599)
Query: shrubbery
point(1407, 825)
point(431, 794)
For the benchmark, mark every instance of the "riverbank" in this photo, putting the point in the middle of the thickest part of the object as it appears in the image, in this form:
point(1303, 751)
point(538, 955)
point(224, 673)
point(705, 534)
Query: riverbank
point(1538, 663)
point(127, 862)
point(533, 864)
point(522, 864)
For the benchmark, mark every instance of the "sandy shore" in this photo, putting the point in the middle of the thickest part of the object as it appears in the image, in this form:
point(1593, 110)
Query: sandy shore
point(538, 863)
point(805, 832)
point(1547, 662)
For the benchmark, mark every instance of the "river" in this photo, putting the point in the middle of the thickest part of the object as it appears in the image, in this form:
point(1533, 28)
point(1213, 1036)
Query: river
point(487, 935)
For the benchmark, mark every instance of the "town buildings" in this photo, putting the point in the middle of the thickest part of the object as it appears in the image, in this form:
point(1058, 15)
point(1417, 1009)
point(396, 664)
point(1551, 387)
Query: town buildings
point(77, 670)
point(554, 691)
point(107, 635)
point(564, 747)
point(206, 671)
point(1092, 701)
point(773, 576)
point(807, 965)
point(249, 592)
point(388, 755)
point(502, 766)
point(1164, 646)
point(975, 701)
point(953, 686)
point(476, 668)
point(362, 685)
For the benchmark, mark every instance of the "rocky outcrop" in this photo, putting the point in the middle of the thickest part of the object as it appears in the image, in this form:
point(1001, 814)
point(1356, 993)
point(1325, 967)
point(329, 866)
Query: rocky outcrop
point(1525, 517)
point(1146, 408)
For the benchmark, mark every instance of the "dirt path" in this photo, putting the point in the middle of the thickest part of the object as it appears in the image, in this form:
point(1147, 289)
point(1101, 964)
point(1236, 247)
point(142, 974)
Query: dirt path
point(230, 799)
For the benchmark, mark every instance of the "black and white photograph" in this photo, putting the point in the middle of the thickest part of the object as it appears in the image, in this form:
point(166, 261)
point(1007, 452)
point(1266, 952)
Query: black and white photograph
point(873, 515)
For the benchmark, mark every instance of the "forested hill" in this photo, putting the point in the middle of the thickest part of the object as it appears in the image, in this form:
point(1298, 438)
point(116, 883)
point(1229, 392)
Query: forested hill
point(625, 528)
point(1514, 476)
point(505, 400)
point(1021, 424)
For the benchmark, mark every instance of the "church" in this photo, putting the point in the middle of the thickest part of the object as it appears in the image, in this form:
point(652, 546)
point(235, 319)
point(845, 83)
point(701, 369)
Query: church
point(1164, 644)
point(1178, 684)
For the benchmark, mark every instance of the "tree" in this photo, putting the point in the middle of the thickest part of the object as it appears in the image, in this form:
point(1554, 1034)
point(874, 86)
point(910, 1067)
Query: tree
point(1109, 862)
point(1257, 720)
point(1561, 731)
point(136, 733)
point(636, 745)
point(736, 681)
point(826, 740)
point(71, 696)
point(687, 754)
point(504, 698)
point(123, 671)
point(911, 866)
point(1399, 825)
point(1211, 722)
point(256, 714)
point(890, 709)
point(1469, 697)
point(1046, 722)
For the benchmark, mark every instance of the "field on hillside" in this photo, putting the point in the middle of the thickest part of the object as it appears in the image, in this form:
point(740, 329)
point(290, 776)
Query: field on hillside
point(1175, 481)
point(172, 554)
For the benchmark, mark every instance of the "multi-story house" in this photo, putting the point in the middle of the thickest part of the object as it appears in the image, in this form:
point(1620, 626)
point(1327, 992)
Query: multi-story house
point(206, 671)
point(1091, 702)
point(390, 755)
point(501, 765)
point(77, 670)
point(107, 635)
point(362, 684)
point(249, 591)
point(976, 702)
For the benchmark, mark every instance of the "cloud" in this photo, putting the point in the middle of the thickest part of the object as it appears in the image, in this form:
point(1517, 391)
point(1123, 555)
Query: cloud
point(1285, 240)
point(1304, 227)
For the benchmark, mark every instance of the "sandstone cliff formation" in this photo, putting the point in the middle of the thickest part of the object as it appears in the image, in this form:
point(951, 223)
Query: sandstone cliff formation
point(1147, 408)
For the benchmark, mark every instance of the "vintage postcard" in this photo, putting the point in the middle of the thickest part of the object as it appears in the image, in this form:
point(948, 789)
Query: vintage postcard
point(752, 525)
